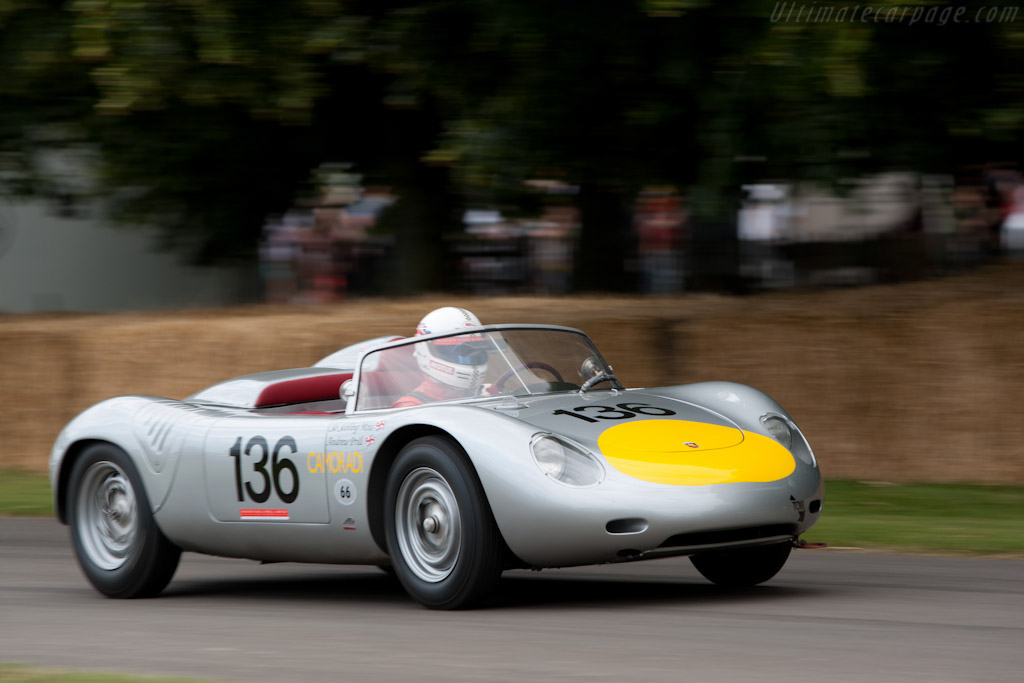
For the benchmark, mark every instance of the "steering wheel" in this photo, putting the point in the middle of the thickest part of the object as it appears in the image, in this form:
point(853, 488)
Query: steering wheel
point(499, 384)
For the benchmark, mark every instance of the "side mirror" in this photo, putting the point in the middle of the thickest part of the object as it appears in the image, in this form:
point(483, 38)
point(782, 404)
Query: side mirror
point(347, 390)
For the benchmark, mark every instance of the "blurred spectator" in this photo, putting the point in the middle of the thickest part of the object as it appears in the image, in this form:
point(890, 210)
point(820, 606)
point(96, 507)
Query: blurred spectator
point(882, 227)
point(322, 261)
point(766, 221)
point(321, 253)
point(279, 254)
point(552, 246)
point(1012, 232)
point(971, 210)
point(658, 224)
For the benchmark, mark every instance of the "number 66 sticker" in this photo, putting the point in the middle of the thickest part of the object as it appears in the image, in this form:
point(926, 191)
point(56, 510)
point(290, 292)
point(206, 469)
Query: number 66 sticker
point(345, 491)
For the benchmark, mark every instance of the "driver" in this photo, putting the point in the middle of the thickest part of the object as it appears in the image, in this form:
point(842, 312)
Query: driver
point(453, 367)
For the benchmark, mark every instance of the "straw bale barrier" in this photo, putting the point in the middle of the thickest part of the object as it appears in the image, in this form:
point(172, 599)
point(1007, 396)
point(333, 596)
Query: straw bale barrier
point(916, 382)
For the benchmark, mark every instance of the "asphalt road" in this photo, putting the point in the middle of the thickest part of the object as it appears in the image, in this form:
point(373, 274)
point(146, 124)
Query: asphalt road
point(828, 616)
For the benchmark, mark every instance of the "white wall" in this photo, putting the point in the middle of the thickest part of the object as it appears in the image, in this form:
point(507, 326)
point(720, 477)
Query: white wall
point(52, 263)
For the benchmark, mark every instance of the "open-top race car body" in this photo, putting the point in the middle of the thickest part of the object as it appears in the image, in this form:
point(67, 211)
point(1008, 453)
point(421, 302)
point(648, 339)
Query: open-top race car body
point(531, 455)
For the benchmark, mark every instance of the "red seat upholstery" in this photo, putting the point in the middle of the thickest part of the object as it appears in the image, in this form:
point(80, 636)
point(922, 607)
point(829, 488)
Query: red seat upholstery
point(302, 390)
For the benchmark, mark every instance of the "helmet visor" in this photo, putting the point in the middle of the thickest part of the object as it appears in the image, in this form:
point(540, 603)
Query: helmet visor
point(461, 352)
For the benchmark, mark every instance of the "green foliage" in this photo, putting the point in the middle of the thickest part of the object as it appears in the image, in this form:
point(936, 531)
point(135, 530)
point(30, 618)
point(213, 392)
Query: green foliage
point(208, 115)
point(206, 53)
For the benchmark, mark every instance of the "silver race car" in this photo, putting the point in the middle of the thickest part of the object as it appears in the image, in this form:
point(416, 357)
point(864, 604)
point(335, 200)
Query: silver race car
point(447, 457)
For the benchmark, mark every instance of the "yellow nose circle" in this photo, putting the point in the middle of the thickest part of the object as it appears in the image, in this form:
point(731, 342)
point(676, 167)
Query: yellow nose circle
point(685, 453)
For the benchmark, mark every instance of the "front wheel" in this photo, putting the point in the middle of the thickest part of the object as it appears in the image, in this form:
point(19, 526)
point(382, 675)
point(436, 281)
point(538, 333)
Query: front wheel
point(444, 545)
point(742, 567)
point(116, 541)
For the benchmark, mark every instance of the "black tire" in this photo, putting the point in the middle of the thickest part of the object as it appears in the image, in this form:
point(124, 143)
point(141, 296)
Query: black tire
point(742, 567)
point(445, 548)
point(116, 541)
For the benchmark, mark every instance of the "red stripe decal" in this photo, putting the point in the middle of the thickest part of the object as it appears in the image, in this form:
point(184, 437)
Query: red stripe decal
point(262, 513)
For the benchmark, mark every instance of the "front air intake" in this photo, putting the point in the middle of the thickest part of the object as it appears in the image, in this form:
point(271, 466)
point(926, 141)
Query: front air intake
point(632, 525)
point(729, 535)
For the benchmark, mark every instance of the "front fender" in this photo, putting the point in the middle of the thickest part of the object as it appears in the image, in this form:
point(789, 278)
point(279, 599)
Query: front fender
point(498, 447)
point(742, 404)
point(546, 523)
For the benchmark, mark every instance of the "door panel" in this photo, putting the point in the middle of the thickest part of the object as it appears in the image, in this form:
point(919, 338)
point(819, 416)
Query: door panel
point(256, 471)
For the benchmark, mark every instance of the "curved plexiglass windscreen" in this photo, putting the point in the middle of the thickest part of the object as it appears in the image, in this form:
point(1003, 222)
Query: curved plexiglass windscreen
point(514, 362)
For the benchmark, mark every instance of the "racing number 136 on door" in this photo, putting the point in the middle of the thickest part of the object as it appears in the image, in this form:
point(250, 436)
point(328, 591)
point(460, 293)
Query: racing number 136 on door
point(286, 488)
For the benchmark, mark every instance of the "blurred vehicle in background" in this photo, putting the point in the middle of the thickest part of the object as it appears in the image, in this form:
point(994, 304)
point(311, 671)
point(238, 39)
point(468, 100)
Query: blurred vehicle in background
point(492, 253)
point(497, 255)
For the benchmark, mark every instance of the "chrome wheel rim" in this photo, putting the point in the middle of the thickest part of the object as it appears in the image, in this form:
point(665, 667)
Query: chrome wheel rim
point(107, 519)
point(428, 525)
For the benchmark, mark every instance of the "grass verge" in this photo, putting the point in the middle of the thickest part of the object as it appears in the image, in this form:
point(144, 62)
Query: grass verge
point(24, 494)
point(16, 673)
point(969, 519)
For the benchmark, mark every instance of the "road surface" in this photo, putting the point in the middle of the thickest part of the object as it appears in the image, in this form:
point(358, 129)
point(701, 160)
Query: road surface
point(828, 616)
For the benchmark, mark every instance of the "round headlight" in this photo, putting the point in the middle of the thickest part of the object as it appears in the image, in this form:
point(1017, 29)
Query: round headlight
point(565, 462)
point(779, 429)
point(549, 456)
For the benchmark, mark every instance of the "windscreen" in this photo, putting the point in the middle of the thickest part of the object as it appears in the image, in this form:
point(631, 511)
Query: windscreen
point(514, 362)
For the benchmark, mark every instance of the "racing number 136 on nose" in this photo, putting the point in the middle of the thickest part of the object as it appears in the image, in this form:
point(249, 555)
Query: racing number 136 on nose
point(622, 411)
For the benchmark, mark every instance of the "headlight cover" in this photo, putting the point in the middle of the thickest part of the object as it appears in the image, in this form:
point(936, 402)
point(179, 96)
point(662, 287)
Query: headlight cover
point(565, 462)
point(787, 434)
point(779, 429)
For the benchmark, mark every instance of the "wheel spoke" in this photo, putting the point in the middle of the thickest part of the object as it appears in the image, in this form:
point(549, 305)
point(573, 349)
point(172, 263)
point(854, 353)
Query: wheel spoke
point(107, 516)
point(429, 527)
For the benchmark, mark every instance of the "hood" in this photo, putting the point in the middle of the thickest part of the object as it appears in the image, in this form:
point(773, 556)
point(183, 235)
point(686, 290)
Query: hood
point(658, 439)
point(585, 418)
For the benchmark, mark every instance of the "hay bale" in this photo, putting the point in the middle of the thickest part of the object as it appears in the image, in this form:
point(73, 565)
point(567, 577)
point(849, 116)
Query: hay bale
point(914, 382)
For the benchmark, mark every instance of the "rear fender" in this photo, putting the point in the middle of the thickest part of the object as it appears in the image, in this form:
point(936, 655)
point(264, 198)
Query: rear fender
point(150, 430)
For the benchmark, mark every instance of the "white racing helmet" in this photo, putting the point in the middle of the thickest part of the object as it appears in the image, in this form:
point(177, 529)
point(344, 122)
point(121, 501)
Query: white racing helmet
point(458, 362)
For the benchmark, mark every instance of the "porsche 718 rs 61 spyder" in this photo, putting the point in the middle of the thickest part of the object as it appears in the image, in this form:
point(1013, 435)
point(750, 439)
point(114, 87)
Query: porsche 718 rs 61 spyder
point(449, 457)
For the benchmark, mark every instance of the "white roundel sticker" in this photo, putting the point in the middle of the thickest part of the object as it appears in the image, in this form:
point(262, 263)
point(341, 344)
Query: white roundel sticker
point(345, 491)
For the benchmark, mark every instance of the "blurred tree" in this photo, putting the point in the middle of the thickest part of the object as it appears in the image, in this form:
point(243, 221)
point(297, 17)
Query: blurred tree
point(208, 115)
point(40, 85)
point(707, 96)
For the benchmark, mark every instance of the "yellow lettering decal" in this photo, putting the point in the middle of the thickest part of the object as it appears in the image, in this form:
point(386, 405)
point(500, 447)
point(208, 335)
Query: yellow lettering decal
point(314, 464)
point(337, 462)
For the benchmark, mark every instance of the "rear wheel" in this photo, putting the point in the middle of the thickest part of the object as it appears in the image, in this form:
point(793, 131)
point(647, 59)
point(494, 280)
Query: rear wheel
point(444, 545)
point(742, 567)
point(116, 541)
